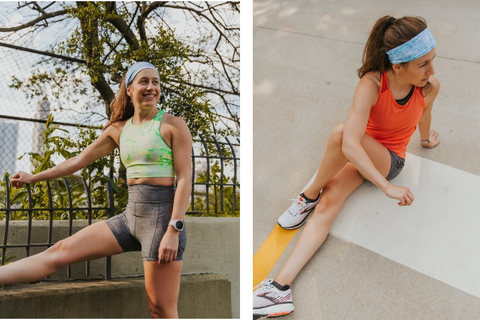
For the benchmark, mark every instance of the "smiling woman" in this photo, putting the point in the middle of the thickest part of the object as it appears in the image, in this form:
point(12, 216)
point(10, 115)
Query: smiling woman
point(156, 150)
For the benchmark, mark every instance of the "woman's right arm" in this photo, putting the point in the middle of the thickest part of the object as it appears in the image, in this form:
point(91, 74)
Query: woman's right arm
point(98, 149)
point(364, 99)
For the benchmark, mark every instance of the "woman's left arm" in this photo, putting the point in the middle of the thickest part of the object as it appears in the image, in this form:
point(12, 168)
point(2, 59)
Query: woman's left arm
point(182, 152)
point(424, 124)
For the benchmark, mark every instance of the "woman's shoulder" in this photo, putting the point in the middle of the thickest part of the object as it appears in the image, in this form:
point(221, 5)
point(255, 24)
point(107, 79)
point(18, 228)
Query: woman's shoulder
point(175, 125)
point(431, 93)
point(173, 121)
point(118, 125)
point(435, 84)
point(115, 128)
point(368, 87)
point(372, 79)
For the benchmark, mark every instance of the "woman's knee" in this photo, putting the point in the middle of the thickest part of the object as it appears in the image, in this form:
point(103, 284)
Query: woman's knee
point(159, 310)
point(336, 136)
point(324, 211)
point(57, 255)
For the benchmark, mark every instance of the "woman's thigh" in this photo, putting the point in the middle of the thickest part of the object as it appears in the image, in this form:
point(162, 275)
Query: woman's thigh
point(162, 282)
point(92, 242)
point(378, 154)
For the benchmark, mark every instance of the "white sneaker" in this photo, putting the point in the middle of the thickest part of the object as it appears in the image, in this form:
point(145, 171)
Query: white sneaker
point(297, 214)
point(270, 302)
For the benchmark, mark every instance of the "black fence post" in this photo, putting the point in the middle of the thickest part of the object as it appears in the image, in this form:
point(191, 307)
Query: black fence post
point(7, 219)
point(219, 148)
point(89, 218)
point(29, 225)
point(208, 173)
point(111, 213)
point(234, 179)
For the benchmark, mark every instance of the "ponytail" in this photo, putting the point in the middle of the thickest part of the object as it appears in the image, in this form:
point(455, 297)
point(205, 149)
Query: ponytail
point(122, 106)
point(387, 34)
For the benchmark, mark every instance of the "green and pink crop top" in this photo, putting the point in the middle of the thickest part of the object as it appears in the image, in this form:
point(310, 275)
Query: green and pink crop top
point(143, 150)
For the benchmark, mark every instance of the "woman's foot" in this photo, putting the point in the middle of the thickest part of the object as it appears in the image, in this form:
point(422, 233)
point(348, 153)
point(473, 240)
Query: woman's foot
point(295, 216)
point(271, 300)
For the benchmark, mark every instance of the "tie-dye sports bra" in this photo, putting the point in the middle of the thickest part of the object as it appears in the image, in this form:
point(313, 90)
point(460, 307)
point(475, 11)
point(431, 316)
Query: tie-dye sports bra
point(143, 150)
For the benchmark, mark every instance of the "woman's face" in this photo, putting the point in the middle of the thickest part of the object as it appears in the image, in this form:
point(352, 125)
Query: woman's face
point(145, 88)
point(418, 71)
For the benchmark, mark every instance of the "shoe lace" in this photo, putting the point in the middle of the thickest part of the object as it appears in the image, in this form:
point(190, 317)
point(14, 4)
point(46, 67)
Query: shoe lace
point(267, 283)
point(297, 204)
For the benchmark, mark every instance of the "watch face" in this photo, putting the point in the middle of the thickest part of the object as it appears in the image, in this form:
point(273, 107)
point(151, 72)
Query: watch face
point(179, 224)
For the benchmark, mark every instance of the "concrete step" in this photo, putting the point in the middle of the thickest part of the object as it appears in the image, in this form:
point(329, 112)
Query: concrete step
point(201, 296)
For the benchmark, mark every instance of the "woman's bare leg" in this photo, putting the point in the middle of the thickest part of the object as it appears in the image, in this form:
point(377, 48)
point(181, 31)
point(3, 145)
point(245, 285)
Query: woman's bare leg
point(162, 282)
point(332, 162)
point(316, 230)
point(335, 192)
point(92, 242)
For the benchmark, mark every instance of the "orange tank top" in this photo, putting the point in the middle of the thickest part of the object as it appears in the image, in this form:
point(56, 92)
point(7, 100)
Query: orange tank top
point(392, 124)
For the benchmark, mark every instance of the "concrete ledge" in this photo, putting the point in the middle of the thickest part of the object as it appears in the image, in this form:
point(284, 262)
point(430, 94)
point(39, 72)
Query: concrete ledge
point(213, 246)
point(201, 296)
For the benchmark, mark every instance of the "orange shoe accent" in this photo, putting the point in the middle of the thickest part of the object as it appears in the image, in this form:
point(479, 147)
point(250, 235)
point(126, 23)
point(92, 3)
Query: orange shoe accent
point(279, 314)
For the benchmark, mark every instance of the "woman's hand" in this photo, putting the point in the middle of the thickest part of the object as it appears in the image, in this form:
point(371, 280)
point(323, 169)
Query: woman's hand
point(403, 194)
point(167, 252)
point(20, 178)
point(433, 141)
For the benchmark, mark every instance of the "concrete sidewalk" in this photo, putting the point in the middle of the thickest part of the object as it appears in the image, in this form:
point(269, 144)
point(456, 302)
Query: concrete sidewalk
point(305, 58)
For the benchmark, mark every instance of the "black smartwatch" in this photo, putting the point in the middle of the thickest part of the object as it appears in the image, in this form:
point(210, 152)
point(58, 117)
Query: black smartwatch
point(177, 225)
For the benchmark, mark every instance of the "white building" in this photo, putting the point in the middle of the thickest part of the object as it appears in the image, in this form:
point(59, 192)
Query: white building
point(8, 146)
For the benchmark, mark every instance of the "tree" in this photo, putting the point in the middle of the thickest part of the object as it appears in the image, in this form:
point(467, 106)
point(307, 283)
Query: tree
point(199, 71)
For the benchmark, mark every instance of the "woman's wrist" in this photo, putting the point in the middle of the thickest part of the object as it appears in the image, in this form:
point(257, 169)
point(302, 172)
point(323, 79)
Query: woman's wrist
point(384, 186)
point(172, 230)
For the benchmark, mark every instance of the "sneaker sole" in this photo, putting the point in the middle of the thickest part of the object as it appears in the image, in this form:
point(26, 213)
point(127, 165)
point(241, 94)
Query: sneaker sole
point(307, 213)
point(274, 311)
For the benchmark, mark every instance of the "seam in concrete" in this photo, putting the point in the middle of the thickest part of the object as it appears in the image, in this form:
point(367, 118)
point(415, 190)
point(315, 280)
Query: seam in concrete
point(353, 42)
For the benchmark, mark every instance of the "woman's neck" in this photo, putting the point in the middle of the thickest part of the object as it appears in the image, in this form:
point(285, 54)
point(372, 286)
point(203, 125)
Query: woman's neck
point(398, 85)
point(141, 115)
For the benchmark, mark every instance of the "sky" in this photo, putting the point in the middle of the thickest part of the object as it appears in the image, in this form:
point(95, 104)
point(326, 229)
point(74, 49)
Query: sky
point(18, 64)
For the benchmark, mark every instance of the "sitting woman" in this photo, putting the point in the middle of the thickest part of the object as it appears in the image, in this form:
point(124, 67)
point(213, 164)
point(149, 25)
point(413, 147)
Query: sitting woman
point(395, 94)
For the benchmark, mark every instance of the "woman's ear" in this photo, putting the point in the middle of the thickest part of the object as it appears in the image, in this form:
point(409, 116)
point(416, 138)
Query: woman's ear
point(398, 69)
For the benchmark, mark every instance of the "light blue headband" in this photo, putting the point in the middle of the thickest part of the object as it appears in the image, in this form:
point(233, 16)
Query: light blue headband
point(135, 69)
point(414, 48)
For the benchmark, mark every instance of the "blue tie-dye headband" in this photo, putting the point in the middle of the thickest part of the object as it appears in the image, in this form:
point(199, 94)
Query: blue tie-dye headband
point(135, 69)
point(412, 49)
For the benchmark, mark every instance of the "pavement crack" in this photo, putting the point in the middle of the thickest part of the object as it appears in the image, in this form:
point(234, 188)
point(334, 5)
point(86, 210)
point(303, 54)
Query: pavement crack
point(353, 42)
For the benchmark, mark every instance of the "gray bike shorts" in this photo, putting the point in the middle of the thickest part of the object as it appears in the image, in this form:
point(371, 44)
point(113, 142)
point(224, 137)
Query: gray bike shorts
point(396, 166)
point(145, 220)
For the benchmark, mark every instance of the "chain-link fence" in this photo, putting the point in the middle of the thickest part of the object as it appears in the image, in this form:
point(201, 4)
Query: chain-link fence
point(23, 114)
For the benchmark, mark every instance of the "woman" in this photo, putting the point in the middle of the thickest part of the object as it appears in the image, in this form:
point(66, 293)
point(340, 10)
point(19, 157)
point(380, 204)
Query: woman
point(155, 147)
point(395, 94)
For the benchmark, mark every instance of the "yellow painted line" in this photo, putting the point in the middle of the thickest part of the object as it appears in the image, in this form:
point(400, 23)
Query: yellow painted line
point(270, 251)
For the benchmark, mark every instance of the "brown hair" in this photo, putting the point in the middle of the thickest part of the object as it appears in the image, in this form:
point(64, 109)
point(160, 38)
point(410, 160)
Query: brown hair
point(121, 106)
point(386, 35)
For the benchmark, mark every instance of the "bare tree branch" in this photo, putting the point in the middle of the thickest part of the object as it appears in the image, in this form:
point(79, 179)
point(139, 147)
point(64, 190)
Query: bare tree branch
point(146, 10)
point(89, 28)
point(122, 26)
point(34, 21)
point(123, 36)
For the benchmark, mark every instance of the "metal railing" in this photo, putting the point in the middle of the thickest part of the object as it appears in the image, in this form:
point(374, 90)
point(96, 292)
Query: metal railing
point(8, 209)
point(209, 155)
point(212, 182)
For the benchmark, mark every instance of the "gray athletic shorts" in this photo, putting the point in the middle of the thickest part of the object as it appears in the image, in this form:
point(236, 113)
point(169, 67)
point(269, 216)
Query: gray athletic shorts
point(396, 166)
point(145, 220)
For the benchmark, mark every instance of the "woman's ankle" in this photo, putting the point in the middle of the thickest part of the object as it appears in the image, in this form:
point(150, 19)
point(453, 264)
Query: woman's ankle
point(311, 195)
